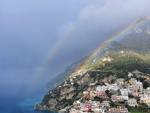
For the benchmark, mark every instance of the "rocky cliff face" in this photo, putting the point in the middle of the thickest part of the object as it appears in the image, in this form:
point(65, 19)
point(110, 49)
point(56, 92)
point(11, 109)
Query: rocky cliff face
point(124, 53)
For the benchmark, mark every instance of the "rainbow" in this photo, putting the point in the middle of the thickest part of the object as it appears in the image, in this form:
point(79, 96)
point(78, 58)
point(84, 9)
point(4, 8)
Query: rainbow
point(56, 48)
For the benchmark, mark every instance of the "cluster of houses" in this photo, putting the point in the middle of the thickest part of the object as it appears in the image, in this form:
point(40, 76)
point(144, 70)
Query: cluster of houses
point(113, 98)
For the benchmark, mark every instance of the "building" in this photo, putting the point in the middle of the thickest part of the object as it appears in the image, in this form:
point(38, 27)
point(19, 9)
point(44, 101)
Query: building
point(101, 88)
point(105, 104)
point(107, 59)
point(102, 94)
point(132, 102)
point(119, 109)
point(135, 85)
point(74, 111)
point(86, 107)
point(124, 92)
point(76, 104)
point(148, 90)
point(113, 87)
point(130, 74)
point(145, 98)
point(133, 90)
point(125, 97)
point(120, 82)
point(116, 98)
point(132, 81)
point(86, 95)
point(99, 110)
point(92, 95)
point(140, 85)
point(96, 106)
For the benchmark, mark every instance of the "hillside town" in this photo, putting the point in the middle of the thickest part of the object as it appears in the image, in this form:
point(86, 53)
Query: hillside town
point(115, 78)
point(81, 94)
point(113, 97)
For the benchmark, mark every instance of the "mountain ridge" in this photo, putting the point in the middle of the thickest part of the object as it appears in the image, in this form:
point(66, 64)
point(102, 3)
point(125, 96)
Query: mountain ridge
point(124, 53)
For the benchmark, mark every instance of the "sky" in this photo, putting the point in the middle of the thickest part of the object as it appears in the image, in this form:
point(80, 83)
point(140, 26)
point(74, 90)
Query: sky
point(40, 38)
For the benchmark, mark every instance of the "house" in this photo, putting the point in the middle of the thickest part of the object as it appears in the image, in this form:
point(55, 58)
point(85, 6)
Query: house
point(148, 90)
point(132, 81)
point(137, 73)
point(95, 103)
point(92, 95)
point(86, 107)
point(89, 95)
point(105, 104)
point(133, 88)
point(101, 88)
point(76, 104)
point(122, 52)
point(136, 84)
point(135, 94)
point(99, 110)
point(125, 97)
point(92, 84)
point(102, 94)
point(119, 109)
point(140, 85)
point(130, 74)
point(86, 95)
point(116, 98)
point(132, 102)
point(145, 98)
point(96, 106)
point(107, 59)
point(83, 80)
point(74, 111)
point(124, 92)
point(113, 87)
point(120, 82)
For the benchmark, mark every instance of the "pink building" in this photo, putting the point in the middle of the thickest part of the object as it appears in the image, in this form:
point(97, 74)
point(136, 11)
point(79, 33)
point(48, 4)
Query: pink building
point(117, 98)
point(86, 107)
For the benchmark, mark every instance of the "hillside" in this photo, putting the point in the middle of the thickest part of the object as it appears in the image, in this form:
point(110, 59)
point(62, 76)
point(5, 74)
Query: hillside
point(103, 82)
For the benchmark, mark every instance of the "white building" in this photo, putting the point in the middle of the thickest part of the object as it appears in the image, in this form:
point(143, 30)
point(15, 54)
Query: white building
point(120, 81)
point(140, 85)
point(101, 88)
point(130, 74)
point(125, 97)
point(74, 111)
point(113, 87)
point(148, 90)
point(145, 98)
point(132, 102)
point(124, 92)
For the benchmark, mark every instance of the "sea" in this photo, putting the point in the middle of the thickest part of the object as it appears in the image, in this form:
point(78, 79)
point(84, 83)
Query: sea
point(14, 97)
point(20, 105)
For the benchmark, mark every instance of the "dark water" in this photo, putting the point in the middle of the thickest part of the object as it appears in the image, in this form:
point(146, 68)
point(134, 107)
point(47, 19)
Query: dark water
point(13, 102)
point(19, 105)
point(14, 94)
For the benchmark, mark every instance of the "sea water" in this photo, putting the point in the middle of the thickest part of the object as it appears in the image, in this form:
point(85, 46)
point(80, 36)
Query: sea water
point(17, 105)
point(14, 97)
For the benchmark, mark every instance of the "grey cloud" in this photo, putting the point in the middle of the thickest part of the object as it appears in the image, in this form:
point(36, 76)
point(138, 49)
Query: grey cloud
point(30, 29)
point(95, 23)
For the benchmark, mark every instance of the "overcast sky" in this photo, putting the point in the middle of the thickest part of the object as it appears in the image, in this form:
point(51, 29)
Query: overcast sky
point(48, 35)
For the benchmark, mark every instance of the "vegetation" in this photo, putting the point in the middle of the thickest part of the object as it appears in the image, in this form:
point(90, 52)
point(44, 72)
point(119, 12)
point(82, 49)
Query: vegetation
point(122, 64)
point(139, 110)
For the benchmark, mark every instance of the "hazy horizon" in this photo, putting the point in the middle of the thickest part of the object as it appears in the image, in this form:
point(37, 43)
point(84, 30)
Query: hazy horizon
point(39, 39)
